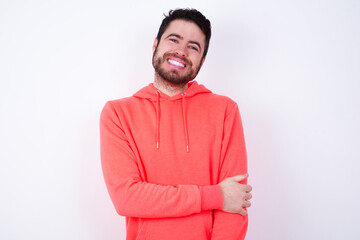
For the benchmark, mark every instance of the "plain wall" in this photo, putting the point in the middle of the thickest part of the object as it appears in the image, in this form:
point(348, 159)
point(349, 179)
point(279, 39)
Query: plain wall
point(292, 66)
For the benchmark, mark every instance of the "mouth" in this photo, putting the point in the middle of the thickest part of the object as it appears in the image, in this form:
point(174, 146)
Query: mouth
point(176, 62)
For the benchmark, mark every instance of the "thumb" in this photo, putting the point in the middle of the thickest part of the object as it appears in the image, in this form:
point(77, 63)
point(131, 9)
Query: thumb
point(239, 178)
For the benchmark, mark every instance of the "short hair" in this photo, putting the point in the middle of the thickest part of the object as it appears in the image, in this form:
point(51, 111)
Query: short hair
point(191, 15)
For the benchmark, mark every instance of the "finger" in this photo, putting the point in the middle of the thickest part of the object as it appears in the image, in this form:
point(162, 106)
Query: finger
point(248, 188)
point(248, 196)
point(243, 212)
point(239, 178)
point(247, 204)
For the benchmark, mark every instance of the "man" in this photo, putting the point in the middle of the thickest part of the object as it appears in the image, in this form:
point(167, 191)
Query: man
point(173, 154)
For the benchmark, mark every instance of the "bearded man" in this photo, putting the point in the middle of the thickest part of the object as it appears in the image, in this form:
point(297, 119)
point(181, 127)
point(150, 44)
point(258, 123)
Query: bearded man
point(173, 154)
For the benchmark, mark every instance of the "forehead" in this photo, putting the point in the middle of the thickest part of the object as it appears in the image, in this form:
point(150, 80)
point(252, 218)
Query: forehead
point(188, 30)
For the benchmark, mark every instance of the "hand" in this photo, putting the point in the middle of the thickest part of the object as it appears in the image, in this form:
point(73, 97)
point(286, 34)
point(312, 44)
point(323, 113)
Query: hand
point(236, 196)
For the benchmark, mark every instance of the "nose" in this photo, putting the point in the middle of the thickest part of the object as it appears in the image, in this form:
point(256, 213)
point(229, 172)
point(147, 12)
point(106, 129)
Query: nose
point(181, 51)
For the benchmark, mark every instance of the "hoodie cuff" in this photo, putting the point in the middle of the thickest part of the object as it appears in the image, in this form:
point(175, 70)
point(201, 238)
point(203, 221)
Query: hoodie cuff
point(211, 197)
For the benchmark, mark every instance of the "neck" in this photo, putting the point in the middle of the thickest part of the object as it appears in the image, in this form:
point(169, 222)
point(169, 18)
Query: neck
point(170, 89)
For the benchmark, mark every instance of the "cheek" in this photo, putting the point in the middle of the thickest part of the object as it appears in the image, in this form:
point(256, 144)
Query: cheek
point(196, 61)
point(164, 47)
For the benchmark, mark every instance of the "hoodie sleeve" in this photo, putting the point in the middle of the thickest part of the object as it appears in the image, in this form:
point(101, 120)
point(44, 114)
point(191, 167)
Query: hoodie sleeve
point(231, 226)
point(130, 194)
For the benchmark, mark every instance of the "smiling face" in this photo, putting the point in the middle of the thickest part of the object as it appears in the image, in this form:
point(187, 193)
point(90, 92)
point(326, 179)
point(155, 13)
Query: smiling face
point(177, 57)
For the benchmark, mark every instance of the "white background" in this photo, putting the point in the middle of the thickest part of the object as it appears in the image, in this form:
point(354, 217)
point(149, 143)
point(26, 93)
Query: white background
point(292, 66)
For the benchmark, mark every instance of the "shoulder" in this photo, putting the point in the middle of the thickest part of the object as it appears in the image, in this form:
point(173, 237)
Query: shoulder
point(220, 100)
point(121, 101)
point(117, 106)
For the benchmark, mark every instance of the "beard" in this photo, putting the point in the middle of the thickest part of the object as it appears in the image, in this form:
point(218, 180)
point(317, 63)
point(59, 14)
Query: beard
point(173, 76)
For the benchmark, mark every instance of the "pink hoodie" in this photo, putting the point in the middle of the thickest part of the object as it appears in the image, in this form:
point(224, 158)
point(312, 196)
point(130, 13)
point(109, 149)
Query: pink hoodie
point(162, 158)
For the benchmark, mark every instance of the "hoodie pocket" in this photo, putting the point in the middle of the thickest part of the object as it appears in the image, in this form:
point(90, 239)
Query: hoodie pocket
point(193, 227)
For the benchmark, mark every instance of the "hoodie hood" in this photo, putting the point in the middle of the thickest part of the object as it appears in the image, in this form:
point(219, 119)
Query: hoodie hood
point(153, 94)
point(150, 92)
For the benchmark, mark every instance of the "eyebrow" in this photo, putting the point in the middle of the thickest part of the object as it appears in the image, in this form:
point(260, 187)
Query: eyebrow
point(180, 37)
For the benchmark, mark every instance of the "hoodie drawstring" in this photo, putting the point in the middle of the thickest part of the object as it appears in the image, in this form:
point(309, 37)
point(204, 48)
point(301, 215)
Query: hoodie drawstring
point(157, 117)
point(185, 122)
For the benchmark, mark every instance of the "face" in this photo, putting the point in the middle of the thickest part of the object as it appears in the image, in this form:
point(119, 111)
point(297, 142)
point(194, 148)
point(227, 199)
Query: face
point(177, 57)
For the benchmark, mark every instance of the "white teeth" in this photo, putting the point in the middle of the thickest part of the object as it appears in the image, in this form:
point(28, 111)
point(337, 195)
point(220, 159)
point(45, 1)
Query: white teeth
point(176, 63)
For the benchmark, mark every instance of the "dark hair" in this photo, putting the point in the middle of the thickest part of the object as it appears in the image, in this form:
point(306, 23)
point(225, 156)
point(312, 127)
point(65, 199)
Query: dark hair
point(191, 15)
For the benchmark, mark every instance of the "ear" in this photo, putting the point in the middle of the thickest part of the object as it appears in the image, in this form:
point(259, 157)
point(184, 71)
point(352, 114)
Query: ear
point(155, 44)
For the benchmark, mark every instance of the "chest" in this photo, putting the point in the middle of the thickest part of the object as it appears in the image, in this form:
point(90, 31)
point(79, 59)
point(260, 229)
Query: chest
point(161, 137)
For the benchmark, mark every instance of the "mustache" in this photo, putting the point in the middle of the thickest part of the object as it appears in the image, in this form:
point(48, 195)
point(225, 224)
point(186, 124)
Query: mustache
point(187, 62)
